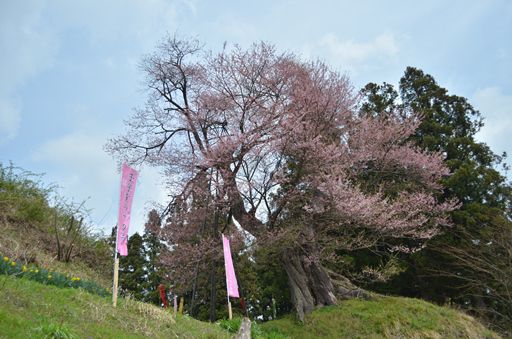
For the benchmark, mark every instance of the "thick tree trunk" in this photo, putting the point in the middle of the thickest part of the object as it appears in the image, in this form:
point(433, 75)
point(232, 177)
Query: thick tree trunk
point(310, 283)
point(312, 286)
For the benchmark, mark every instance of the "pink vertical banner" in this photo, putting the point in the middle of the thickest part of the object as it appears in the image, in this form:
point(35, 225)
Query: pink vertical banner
point(231, 283)
point(128, 181)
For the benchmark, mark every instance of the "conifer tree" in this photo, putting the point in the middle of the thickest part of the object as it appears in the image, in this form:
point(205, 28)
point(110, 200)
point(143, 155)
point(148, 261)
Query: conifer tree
point(132, 271)
point(455, 266)
point(152, 249)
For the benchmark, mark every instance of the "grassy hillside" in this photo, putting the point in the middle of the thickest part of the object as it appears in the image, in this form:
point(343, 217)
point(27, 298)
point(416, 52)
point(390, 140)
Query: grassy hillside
point(384, 317)
point(30, 227)
point(30, 245)
point(32, 310)
point(35, 223)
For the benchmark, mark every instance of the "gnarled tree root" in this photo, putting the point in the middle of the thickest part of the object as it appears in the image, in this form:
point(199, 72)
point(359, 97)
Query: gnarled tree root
point(313, 286)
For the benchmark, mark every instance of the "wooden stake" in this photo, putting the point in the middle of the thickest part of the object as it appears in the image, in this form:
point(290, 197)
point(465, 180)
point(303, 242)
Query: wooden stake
point(116, 273)
point(116, 280)
point(230, 311)
point(175, 306)
point(274, 312)
point(182, 301)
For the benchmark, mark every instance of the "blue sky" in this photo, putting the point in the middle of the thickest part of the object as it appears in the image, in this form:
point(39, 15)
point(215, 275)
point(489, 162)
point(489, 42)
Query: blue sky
point(69, 69)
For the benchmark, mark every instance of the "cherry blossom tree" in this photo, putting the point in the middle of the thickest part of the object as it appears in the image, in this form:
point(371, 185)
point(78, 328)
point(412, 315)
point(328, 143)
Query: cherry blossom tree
point(276, 143)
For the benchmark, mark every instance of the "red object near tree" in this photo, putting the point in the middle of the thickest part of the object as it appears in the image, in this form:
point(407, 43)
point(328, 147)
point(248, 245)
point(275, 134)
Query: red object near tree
point(163, 295)
point(243, 306)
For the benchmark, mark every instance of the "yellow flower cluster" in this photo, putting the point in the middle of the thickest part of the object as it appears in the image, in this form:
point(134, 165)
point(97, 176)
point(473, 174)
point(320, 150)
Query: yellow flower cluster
point(75, 279)
point(24, 268)
point(49, 276)
point(13, 263)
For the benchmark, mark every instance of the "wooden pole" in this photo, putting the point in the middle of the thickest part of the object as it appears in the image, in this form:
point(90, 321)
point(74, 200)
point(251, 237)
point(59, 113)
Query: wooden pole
point(175, 306)
point(116, 274)
point(116, 281)
point(182, 301)
point(274, 311)
point(230, 311)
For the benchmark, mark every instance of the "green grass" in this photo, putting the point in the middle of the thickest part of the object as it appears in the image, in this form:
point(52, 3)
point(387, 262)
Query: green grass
point(383, 317)
point(20, 242)
point(29, 309)
point(32, 310)
point(41, 275)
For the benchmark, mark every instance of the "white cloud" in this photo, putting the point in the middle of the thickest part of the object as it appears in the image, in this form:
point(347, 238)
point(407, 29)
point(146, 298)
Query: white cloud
point(10, 117)
point(496, 108)
point(85, 172)
point(235, 30)
point(355, 52)
point(354, 55)
point(191, 5)
point(32, 35)
point(140, 22)
point(27, 48)
point(74, 150)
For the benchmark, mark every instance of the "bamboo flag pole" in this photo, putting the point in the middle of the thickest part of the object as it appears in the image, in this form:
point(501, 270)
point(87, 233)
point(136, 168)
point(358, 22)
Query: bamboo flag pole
point(274, 313)
point(127, 190)
point(231, 284)
point(182, 304)
point(230, 311)
point(175, 305)
point(116, 274)
point(116, 282)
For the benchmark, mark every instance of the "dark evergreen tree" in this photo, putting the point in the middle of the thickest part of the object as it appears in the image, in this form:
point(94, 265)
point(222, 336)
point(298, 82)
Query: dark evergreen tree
point(132, 272)
point(152, 248)
point(443, 271)
point(270, 296)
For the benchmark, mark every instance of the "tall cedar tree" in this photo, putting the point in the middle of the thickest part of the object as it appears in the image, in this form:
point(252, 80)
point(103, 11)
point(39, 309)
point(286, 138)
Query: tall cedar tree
point(132, 271)
point(152, 248)
point(467, 263)
point(140, 271)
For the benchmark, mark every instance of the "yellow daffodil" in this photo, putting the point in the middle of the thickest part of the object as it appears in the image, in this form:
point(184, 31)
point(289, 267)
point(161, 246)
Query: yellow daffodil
point(24, 268)
point(49, 276)
point(36, 271)
point(6, 258)
point(13, 263)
